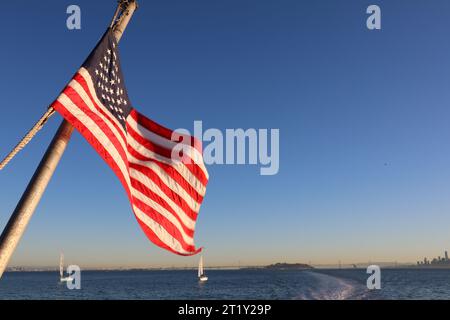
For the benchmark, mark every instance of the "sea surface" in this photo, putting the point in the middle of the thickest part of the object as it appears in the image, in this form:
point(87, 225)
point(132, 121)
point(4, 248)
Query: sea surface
point(231, 284)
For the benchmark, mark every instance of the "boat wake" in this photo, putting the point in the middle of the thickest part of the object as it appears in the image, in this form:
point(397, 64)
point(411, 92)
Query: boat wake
point(327, 287)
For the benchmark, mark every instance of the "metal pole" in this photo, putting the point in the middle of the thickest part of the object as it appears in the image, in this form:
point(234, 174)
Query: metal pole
point(25, 208)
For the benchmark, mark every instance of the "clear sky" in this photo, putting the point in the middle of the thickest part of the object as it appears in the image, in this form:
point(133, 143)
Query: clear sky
point(364, 119)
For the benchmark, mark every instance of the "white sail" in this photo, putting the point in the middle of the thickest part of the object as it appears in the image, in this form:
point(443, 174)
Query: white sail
point(61, 265)
point(200, 267)
point(61, 270)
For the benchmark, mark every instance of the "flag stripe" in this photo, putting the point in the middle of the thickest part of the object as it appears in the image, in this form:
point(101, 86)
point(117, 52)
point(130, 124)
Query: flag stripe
point(173, 193)
point(170, 176)
point(97, 117)
point(160, 236)
point(78, 122)
point(149, 155)
point(91, 91)
point(165, 214)
point(165, 155)
point(143, 177)
point(84, 89)
point(170, 179)
point(165, 224)
point(168, 144)
point(163, 131)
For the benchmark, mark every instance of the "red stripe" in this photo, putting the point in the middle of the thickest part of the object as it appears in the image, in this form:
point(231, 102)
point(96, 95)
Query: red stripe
point(193, 167)
point(78, 101)
point(165, 152)
point(146, 191)
point(163, 131)
point(93, 141)
point(174, 174)
point(164, 222)
point(154, 238)
point(149, 173)
point(83, 82)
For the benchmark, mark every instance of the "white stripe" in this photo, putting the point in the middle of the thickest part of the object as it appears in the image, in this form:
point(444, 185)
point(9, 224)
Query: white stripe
point(177, 165)
point(168, 144)
point(170, 182)
point(159, 231)
point(97, 132)
point(90, 84)
point(142, 178)
point(84, 96)
point(162, 211)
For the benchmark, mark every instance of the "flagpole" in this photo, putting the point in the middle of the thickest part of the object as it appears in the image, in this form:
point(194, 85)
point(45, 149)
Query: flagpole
point(18, 221)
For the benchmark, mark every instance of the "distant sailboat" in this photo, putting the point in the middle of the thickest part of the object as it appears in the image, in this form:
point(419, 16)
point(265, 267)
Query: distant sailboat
point(61, 270)
point(201, 274)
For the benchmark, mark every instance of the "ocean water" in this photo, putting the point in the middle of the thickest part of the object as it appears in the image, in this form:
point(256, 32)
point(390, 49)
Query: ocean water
point(230, 284)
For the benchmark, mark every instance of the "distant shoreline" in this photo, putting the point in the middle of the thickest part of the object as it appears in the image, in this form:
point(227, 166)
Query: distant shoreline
point(276, 267)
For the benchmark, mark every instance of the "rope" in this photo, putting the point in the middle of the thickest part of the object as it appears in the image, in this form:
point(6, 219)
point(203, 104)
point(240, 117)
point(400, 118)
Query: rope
point(38, 126)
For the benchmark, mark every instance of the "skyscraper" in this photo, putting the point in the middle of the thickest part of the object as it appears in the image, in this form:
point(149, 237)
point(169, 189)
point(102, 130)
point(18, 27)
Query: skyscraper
point(446, 256)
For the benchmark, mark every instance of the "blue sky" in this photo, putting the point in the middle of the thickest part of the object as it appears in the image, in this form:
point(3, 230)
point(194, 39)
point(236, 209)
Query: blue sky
point(363, 118)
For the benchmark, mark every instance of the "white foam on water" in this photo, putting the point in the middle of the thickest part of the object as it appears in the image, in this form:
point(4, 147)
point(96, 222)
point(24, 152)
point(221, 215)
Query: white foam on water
point(327, 287)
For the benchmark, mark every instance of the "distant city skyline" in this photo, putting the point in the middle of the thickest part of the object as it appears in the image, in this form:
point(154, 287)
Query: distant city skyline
point(364, 162)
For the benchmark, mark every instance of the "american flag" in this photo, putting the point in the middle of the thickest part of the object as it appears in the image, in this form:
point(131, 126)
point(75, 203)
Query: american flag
point(165, 192)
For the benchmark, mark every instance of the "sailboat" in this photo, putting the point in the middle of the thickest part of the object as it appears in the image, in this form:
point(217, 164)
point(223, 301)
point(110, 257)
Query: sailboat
point(61, 270)
point(201, 274)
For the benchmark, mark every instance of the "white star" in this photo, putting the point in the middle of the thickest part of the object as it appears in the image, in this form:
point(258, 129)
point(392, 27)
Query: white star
point(118, 80)
point(96, 71)
point(109, 51)
point(112, 81)
point(125, 102)
point(103, 96)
